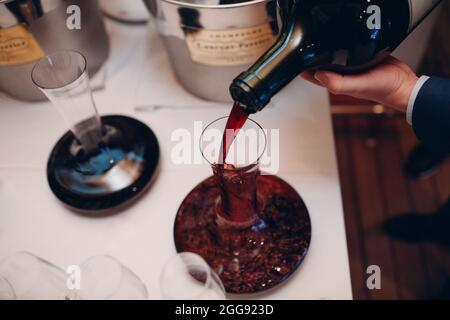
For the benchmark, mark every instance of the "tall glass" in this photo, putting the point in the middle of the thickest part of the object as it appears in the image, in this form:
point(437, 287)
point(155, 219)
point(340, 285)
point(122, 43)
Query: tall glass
point(237, 206)
point(63, 78)
point(252, 229)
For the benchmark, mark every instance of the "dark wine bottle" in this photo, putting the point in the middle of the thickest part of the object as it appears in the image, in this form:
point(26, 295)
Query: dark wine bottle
point(346, 36)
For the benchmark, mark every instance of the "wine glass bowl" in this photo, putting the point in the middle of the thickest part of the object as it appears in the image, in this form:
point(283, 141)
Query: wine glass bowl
point(6, 290)
point(24, 276)
point(187, 276)
point(103, 277)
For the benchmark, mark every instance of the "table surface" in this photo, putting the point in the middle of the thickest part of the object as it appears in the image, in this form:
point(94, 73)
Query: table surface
point(138, 75)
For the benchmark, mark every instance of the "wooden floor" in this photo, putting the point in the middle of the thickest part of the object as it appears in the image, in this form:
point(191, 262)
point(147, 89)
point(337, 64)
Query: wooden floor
point(371, 152)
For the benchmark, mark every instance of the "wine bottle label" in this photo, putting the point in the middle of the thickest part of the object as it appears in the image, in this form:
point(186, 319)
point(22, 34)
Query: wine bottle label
point(18, 46)
point(232, 47)
point(419, 9)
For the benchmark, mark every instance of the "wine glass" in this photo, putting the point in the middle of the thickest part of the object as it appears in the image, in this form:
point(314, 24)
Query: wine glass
point(6, 290)
point(187, 276)
point(24, 276)
point(103, 277)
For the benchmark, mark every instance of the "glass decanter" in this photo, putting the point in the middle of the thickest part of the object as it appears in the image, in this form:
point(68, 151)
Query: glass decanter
point(102, 162)
point(253, 229)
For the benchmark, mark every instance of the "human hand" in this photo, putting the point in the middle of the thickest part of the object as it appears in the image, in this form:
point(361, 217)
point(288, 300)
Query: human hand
point(390, 83)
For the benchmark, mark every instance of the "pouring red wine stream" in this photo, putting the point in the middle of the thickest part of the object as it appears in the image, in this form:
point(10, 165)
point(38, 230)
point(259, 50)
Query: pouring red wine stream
point(235, 122)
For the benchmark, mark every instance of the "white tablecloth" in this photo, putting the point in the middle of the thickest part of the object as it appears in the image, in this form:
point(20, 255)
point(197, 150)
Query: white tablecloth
point(138, 74)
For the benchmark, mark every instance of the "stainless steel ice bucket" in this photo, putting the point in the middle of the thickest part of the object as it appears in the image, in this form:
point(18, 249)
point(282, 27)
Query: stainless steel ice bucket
point(209, 45)
point(29, 29)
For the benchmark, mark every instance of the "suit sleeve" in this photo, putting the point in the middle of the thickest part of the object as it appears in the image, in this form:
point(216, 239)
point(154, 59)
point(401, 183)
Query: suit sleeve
point(431, 113)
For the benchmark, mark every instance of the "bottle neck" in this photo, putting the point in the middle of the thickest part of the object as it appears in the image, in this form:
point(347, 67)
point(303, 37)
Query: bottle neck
point(289, 56)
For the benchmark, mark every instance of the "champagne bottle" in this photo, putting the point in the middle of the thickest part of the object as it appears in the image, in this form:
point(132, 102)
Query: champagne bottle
point(345, 36)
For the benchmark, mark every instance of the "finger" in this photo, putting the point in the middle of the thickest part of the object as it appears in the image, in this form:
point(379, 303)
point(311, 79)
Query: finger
point(309, 76)
point(341, 84)
point(332, 81)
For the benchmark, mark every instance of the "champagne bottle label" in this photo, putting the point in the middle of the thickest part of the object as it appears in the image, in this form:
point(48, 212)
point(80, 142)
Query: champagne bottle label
point(419, 9)
point(233, 47)
point(18, 46)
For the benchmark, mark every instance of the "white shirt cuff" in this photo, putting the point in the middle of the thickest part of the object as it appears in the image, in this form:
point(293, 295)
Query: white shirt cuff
point(412, 99)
